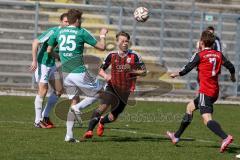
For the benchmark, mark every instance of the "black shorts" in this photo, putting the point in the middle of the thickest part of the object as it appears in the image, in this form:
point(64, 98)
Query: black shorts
point(204, 103)
point(117, 99)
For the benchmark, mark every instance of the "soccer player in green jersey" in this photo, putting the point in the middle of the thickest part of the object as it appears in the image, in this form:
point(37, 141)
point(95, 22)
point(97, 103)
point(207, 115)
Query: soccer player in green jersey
point(44, 65)
point(70, 41)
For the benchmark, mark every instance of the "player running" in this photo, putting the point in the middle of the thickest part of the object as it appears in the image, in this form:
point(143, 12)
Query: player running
point(125, 66)
point(208, 61)
point(44, 66)
point(77, 80)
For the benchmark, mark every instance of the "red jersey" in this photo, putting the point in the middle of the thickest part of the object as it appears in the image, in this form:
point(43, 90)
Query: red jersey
point(121, 66)
point(209, 63)
point(208, 70)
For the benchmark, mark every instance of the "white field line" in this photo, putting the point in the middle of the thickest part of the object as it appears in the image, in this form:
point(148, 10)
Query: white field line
point(156, 99)
point(164, 136)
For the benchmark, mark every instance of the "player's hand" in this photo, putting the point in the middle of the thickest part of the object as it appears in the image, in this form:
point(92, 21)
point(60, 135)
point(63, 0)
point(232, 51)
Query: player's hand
point(56, 56)
point(103, 32)
point(107, 77)
point(33, 66)
point(233, 78)
point(173, 75)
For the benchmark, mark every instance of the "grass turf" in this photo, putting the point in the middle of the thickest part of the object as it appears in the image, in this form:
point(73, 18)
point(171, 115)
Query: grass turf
point(137, 135)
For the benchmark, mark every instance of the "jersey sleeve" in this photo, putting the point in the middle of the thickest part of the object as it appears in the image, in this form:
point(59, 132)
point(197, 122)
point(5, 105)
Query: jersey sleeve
point(89, 38)
point(217, 44)
point(45, 35)
point(194, 61)
point(227, 64)
point(53, 39)
point(106, 63)
point(139, 63)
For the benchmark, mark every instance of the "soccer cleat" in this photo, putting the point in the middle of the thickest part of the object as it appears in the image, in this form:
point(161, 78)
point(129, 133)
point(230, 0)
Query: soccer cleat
point(174, 139)
point(70, 140)
point(225, 143)
point(100, 128)
point(48, 123)
point(88, 134)
point(238, 156)
point(40, 124)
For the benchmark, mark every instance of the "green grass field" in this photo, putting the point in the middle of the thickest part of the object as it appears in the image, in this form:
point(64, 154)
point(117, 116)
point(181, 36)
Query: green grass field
point(139, 134)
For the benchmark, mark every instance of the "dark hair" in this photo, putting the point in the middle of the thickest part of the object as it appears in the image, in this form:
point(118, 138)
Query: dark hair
point(208, 38)
point(73, 15)
point(123, 33)
point(210, 28)
point(62, 16)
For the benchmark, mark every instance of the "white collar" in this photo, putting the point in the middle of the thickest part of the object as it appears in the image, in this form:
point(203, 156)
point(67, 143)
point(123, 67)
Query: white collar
point(207, 48)
point(123, 55)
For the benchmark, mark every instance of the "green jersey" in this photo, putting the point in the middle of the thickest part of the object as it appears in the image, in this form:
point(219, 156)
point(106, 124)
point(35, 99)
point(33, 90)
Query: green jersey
point(71, 42)
point(43, 57)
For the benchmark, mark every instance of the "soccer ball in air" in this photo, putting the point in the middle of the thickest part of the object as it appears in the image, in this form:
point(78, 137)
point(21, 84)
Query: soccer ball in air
point(141, 14)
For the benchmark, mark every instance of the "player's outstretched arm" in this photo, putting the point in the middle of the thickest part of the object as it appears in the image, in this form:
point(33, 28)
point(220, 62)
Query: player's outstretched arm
point(101, 45)
point(227, 64)
point(139, 72)
point(35, 45)
point(233, 77)
point(194, 61)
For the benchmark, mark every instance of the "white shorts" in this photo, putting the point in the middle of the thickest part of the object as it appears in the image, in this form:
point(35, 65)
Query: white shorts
point(44, 73)
point(81, 83)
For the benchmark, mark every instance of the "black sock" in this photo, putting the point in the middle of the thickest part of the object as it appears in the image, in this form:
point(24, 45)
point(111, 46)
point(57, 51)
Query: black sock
point(187, 118)
point(94, 120)
point(105, 120)
point(216, 128)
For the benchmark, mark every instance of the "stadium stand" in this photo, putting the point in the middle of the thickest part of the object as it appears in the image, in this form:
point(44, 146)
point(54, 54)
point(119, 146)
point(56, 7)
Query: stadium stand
point(17, 32)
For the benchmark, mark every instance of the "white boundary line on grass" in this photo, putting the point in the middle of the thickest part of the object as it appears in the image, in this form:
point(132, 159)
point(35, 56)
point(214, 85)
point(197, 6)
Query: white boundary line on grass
point(164, 136)
point(154, 99)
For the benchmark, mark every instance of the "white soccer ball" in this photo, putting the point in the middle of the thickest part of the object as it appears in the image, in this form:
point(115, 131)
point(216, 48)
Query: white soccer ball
point(141, 14)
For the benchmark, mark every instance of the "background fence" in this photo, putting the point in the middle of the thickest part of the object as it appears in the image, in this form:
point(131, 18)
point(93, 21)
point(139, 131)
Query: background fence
point(166, 41)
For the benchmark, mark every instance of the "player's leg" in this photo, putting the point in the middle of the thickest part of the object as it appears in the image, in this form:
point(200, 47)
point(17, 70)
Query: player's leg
point(187, 118)
point(40, 76)
point(55, 82)
point(109, 118)
point(70, 121)
point(84, 104)
point(95, 119)
point(52, 100)
point(77, 108)
point(113, 115)
point(107, 99)
point(42, 91)
point(206, 110)
point(75, 84)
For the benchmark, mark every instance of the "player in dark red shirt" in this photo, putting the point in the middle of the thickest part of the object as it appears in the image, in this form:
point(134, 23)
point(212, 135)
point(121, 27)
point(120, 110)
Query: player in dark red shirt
point(126, 65)
point(208, 63)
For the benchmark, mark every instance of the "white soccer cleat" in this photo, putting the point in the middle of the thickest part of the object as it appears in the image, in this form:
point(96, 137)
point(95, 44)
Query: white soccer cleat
point(70, 139)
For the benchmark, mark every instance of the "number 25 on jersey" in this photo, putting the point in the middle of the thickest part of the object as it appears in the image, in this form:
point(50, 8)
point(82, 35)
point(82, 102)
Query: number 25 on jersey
point(67, 43)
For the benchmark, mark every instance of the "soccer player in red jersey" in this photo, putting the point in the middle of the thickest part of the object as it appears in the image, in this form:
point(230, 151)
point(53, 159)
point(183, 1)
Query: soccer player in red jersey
point(208, 62)
point(126, 65)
